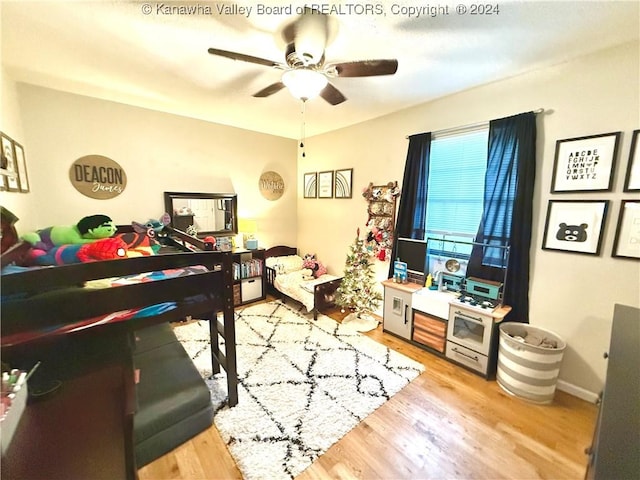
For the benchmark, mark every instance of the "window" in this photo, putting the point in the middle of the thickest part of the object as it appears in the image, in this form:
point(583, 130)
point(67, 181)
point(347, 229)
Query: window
point(455, 194)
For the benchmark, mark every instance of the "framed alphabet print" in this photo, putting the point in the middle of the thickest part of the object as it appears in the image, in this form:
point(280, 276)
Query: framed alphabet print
point(575, 226)
point(585, 164)
point(325, 184)
point(627, 241)
point(9, 160)
point(310, 185)
point(632, 180)
point(343, 183)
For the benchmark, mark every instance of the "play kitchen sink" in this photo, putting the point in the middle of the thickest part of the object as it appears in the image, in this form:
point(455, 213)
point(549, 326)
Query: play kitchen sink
point(433, 302)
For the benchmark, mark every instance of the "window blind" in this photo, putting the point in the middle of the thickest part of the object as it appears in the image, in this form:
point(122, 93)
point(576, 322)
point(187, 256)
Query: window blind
point(457, 167)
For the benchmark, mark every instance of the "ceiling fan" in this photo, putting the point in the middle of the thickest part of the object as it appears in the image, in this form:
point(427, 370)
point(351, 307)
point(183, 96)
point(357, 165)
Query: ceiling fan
point(305, 72)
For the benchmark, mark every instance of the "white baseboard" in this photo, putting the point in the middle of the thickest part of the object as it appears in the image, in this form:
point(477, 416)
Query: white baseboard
point(576, 391)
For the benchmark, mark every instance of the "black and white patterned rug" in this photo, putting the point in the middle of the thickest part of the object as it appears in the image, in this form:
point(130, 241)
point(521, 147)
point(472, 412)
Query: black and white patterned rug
point(304, 384)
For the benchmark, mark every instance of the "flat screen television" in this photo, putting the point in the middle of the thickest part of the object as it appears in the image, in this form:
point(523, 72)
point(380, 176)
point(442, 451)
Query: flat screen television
point(413, 253)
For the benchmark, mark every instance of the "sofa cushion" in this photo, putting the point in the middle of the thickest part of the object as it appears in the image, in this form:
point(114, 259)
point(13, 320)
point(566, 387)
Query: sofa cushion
point(163, 442)
point(170, 391)
point(152, 337)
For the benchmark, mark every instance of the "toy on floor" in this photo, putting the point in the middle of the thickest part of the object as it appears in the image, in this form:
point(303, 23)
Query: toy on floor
point(87, 230)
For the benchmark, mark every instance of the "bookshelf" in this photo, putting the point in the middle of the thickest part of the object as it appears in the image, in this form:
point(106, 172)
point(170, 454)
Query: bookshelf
point(248, 276)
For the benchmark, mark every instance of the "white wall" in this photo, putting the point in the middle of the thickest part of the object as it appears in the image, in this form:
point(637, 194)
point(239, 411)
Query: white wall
point(159, 152)
point(11, 125)
point(572, 295)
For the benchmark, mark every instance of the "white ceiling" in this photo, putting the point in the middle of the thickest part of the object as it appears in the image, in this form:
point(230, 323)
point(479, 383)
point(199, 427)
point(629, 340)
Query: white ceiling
point(117, 51)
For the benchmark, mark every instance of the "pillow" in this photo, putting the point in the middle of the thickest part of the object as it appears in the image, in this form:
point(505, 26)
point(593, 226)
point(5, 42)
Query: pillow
point(285, 264)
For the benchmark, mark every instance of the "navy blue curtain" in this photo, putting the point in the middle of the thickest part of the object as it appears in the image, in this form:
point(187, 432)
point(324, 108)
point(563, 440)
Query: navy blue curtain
point(507, 215)
point(412, 210)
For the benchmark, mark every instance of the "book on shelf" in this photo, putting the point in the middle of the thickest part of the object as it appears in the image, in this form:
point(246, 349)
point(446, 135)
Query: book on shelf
point(247, 269)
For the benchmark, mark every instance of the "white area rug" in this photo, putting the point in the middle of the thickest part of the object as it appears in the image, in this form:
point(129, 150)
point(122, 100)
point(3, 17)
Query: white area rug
point(303, 385)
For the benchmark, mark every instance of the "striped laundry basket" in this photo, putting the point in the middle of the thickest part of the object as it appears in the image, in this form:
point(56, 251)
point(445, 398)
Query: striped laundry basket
point(529, 360)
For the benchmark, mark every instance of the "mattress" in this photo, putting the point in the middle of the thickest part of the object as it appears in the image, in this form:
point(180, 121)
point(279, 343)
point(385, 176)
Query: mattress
point(297, 286)
point(112, 317)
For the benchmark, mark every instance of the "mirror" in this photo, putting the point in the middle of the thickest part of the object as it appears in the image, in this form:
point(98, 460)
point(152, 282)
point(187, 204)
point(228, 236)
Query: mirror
point(209, 213)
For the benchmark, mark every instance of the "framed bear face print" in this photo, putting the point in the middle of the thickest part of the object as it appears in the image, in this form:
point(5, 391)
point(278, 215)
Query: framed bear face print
point(575, 226)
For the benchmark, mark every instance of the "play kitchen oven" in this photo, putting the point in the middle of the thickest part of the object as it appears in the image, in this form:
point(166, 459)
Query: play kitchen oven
point(473, 315)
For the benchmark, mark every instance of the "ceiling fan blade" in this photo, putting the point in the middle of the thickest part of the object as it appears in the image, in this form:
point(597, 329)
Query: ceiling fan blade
point(365, 68)
point(245, 58)
point(270, 90)
point(332, 95)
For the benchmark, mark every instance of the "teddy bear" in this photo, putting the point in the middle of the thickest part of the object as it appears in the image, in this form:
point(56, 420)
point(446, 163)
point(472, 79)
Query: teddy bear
point(309, 261)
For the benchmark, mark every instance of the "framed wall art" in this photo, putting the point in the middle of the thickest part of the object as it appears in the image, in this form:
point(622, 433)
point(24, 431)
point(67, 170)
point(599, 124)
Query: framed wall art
point(585, 164)
point(575, 226)
point(325, 184)
point(310, 185)
point(343, 183)
point(632, 180)
point(21, 165)
point(627, 240)
point(9, 161)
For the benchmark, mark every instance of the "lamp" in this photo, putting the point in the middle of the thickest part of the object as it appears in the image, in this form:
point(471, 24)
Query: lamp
point(304, 83)
point(248, 228)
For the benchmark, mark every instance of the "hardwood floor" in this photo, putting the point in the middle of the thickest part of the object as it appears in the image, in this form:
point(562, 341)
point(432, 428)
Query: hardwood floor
point(446, 424)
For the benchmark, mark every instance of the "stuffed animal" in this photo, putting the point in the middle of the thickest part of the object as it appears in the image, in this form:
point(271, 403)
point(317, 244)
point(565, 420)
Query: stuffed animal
point(139, 244)
point(103, 249)
point(309, 261)
point(87, 230)
point(142, 241)
point(153, 227)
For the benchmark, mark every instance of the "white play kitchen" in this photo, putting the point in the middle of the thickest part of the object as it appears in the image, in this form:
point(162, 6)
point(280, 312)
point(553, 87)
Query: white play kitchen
point(455, 317)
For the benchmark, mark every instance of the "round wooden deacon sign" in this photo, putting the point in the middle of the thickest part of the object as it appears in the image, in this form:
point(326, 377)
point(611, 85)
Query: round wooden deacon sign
point(271, 185)
point(98, 177)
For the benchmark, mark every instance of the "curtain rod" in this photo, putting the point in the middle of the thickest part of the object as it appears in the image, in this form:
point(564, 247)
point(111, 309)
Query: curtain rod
point(470, 126)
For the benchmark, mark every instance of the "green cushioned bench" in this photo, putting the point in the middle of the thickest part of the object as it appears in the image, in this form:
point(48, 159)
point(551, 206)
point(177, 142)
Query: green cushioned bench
point(173, 401)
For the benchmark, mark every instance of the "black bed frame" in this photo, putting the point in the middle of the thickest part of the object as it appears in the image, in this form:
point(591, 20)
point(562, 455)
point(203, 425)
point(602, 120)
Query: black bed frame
point(43, 298)
point(324, 294)
point(202, 295)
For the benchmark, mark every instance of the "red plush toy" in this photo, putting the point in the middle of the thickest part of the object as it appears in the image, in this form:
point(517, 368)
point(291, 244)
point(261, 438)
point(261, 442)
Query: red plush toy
point(104, 249)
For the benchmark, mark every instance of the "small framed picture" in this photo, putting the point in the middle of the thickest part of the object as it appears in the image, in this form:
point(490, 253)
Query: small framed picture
point(575, 226)
point(21, 165)
point(310, 185)
point(343, 182)
point(632, 180)
point(9, 162)
point(627, 240)
point(325, 184)
point(585, 164)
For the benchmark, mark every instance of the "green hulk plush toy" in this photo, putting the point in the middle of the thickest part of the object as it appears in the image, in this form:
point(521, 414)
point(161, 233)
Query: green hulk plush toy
point(87, 230)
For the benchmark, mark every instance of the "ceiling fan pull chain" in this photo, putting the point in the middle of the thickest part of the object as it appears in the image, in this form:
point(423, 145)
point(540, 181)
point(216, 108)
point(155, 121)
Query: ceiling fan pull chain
point(302, 127)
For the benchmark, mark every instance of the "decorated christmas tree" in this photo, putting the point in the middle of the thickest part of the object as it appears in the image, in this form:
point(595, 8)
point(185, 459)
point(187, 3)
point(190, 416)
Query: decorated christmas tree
point(357, 291)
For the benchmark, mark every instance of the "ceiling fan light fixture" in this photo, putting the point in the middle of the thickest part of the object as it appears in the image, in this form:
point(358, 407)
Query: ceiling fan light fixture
point(304, 83)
